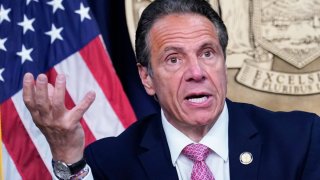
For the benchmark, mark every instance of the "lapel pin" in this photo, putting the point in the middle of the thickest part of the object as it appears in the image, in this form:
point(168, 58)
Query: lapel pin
point(246, 158)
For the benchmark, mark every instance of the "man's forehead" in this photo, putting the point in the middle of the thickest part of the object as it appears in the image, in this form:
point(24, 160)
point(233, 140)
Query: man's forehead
point(172, 30)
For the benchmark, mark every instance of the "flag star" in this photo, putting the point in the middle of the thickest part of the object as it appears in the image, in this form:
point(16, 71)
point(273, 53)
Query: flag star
point(54, 33)
point(56, 4)
point(1, 71)
point(26, 24)
point(2, 41)
point(28, 1)
point(4, 14)
point(83, 12)
point(25, 54)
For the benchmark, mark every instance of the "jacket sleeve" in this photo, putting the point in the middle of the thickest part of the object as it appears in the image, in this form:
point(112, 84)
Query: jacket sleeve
point(96, 171)
point(312, 165)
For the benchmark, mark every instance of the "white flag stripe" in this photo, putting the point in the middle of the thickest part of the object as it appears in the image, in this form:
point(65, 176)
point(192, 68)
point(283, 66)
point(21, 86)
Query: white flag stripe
point(102, 123)
point(9, 168)
point(35, 134)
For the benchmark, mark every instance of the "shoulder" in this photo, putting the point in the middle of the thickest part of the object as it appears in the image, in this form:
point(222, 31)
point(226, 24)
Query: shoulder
point(288, 140)
point(276, 124)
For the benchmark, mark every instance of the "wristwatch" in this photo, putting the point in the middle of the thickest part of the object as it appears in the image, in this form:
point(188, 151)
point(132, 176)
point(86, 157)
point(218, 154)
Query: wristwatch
point(63, 170)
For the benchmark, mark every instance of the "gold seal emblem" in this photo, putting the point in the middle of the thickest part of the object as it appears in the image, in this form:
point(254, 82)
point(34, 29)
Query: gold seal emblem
point(246, 158)
point(273, 56)
point(288, 29)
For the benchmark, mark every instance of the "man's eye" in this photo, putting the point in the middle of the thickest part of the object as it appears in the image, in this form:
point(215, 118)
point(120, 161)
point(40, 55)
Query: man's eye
point(173, 60)
point(207, 54)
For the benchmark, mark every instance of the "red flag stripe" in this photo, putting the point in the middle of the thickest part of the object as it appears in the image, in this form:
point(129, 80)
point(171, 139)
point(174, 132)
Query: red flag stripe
point(106, 77)
point(20, 146)
point(89, 138)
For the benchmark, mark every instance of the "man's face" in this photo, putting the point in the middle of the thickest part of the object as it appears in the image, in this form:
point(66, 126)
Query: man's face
point(189, 71)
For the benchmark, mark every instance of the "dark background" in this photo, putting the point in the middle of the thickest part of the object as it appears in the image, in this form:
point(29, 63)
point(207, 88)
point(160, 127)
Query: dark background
point(111, 19)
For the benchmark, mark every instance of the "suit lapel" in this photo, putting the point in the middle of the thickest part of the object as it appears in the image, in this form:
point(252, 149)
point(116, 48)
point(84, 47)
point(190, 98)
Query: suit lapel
point(243, 137)
point(155, 157)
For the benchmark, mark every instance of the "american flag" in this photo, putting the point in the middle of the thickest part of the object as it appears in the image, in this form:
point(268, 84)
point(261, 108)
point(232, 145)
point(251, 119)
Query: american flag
point(53, 37)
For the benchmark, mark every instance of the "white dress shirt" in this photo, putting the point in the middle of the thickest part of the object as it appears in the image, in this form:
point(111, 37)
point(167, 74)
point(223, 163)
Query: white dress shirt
point(216, 139)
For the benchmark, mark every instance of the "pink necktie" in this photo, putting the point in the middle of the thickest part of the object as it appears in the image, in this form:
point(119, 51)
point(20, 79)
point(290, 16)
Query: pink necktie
point(198, 154)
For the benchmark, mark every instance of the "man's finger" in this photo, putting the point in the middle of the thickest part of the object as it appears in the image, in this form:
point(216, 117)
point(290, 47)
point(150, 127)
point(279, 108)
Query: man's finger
point(41, 95)
point(59, 93)
point(28, 96)
point(28, 91)
point(78, 111)
point(50, 92)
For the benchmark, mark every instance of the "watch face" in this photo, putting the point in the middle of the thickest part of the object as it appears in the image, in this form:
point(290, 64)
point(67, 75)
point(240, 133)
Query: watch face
point(61, 170)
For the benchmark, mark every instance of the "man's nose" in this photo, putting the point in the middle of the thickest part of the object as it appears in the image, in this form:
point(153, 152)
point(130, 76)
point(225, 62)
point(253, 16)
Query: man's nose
point(194, 71)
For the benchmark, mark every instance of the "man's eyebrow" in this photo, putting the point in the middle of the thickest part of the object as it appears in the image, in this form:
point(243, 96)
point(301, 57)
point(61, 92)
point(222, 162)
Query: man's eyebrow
point(209, 44)
point(172, 48)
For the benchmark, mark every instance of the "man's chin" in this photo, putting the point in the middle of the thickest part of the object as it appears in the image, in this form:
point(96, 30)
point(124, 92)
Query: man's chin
point(201, 120)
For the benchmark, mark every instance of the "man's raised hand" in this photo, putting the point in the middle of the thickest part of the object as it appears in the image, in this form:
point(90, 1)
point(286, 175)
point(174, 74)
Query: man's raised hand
point(60, 126)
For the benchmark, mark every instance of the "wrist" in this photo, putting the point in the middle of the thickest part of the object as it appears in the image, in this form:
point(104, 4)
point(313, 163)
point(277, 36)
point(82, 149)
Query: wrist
point(68, 156)
point(69, 150)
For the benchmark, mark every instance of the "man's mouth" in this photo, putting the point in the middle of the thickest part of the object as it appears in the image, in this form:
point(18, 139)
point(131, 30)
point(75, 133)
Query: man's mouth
point(197, 98)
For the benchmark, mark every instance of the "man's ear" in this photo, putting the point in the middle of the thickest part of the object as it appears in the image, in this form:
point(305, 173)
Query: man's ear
point(146, 79)
point(226, 72)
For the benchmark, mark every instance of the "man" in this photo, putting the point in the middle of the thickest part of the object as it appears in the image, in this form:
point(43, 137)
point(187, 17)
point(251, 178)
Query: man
point(180, 48)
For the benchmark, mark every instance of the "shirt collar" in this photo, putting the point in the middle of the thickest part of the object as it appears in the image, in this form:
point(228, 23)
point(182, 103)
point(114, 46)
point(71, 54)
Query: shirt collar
point(216, 139)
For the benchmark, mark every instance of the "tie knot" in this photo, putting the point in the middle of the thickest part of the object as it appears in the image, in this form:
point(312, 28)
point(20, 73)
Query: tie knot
point(196, 152)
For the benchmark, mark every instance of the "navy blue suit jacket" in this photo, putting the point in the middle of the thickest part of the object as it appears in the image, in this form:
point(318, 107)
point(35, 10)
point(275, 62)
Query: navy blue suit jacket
point(285, 146)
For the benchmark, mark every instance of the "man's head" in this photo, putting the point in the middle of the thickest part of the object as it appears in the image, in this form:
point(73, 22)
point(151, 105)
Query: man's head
point(160, 8)
point(184, 49)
